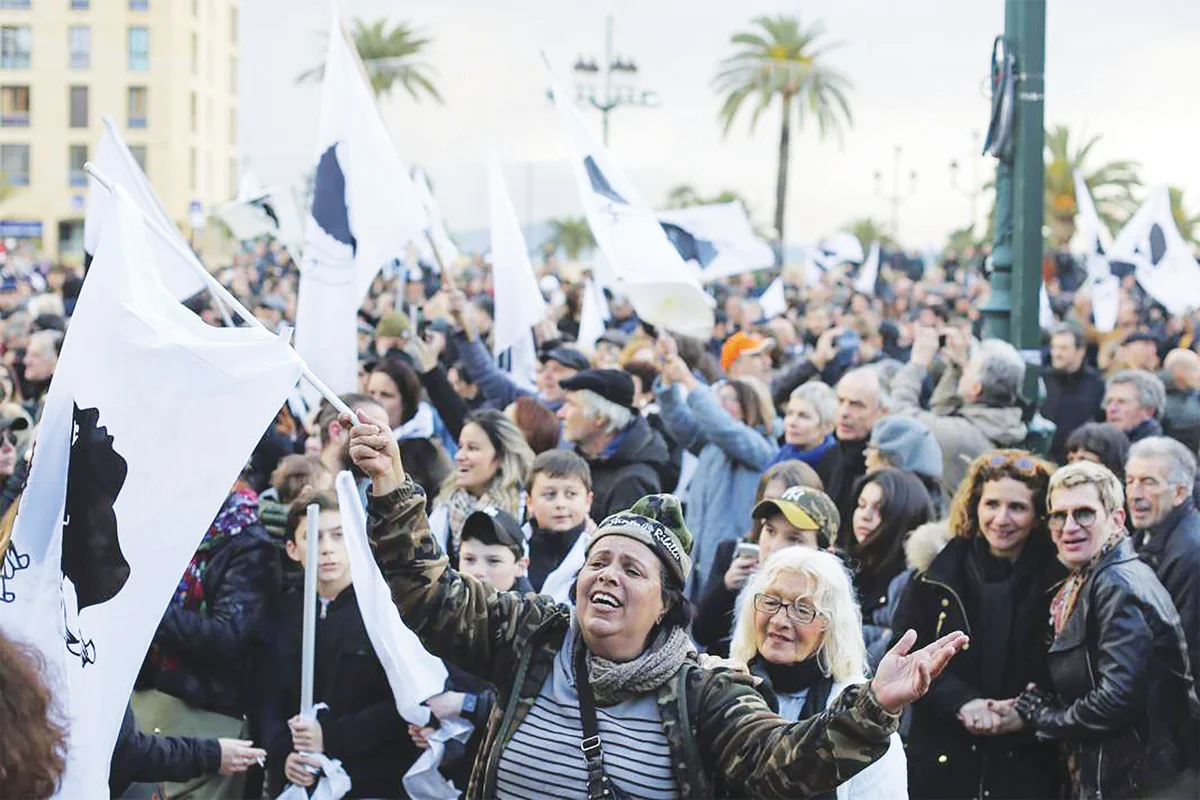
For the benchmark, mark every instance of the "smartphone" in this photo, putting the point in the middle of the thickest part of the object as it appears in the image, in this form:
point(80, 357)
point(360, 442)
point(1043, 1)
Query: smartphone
point(941, 340)
point(747, 550)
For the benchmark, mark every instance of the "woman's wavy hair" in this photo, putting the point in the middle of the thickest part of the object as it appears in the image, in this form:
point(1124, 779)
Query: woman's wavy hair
point(538, 424)
point(842, 655)
point(906, 506)
point(995, 465)
point(512, 452)
point(33, 745)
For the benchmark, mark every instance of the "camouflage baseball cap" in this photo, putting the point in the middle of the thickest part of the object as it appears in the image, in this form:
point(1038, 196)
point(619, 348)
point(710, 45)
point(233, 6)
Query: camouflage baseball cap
point(657, 522)
point(806, 509)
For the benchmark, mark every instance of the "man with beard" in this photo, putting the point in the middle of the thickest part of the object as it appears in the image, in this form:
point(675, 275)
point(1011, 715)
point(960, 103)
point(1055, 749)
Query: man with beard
point(335, 438)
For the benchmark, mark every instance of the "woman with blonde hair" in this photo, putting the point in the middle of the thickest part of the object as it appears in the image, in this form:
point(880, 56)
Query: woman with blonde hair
point(491, 468)
point(799, 629)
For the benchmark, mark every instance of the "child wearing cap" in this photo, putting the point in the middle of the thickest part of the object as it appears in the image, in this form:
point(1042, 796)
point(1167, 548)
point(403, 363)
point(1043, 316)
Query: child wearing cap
point(493, 550)
point(560, 498)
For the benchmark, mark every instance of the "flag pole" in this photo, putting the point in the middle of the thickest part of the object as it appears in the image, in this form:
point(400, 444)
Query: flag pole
point(308, 648)
point(447, 278)
point(220, 291)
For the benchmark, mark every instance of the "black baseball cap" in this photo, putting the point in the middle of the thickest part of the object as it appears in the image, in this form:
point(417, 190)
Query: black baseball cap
point(613, 385)
point(567, 356)
point(492, 524)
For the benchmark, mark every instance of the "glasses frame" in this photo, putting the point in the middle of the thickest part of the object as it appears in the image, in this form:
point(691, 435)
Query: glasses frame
point(794, 608)
point(1057, 520)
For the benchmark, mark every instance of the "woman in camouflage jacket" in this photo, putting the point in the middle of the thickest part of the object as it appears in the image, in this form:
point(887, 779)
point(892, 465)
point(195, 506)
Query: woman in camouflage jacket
point(718, 736)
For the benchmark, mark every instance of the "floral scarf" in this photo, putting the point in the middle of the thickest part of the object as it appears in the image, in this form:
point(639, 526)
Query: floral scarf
point(461, 504)
point(1064, 599)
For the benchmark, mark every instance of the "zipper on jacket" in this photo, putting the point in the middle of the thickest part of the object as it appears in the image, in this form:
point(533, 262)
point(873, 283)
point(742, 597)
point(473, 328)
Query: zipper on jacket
point(961, 606)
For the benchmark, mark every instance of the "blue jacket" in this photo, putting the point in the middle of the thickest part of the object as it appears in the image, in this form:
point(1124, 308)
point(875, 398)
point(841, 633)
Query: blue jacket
point(732, 457)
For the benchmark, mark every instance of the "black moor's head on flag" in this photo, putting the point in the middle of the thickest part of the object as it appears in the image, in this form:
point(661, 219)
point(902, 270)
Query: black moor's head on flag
point(600, 184)
point(91, 549)
point(689, 247)
point(329, 199)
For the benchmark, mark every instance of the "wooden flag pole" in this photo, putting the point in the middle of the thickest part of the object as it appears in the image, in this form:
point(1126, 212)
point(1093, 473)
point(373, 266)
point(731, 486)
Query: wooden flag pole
point(308, 647)
point(220, 291)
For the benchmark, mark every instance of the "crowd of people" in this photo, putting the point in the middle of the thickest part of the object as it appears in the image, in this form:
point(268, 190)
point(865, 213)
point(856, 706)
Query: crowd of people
point(841, 551)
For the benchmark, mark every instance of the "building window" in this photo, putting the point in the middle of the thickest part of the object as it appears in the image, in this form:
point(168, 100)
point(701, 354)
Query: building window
point(138, 106)
point(79, 107)
point(234, 178)
point(195, 54)
point(195, 9)
point(138, 151)
point(139, 48)
point(192, 169)
point(80, 5)
point(14, 4)
point(14, 106)
point(139, 5)
point(77, 156)
point(16, 47)
point(14, 163)
point(233, 126)
point(233, 67)
point(195, 112)
point(233, 25)
point(80, 37)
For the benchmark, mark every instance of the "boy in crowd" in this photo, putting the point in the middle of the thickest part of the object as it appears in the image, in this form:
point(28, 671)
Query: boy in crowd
point(493, 550)
point(560, 497)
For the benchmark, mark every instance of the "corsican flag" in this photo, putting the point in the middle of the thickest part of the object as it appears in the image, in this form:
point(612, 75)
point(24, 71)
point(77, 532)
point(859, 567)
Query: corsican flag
point(1162, 260)
point(717, 240)
point(437, 233)
point(274, 213)
point(108, 520)
point(840, 248)
point(116, 161)
point(413, 674)
point(662, 288)
point(593, 313)
point(518, 301)
point(868, 273)
point(365, 212)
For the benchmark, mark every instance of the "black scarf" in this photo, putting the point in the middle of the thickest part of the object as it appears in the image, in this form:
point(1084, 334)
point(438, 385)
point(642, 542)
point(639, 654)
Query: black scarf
point(1001, 591)
point(547, 549)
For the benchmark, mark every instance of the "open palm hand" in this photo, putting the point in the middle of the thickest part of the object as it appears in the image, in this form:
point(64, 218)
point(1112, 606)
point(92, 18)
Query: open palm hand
point(903, 677)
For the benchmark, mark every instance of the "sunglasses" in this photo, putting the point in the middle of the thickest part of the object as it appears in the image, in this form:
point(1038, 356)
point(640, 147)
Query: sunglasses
point(798, 611)
point(1084, 518)
point(1022, 463)
point(10, 438)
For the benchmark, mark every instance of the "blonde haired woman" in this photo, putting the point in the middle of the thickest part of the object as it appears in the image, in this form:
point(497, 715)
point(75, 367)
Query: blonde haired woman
point(798, 628)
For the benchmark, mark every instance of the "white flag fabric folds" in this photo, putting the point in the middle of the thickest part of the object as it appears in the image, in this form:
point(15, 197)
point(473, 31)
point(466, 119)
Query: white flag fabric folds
point(840, 248)
point(365, 212)
point(717, 240)
point(1092, 232)
point(593, 314)
point(115, 160)
point(868, 273)
point(773, 301)
point(519, 303)
point(662, 288)
point(413, 674)
point(109, 519)
point(1163, 262)
point(446, 249)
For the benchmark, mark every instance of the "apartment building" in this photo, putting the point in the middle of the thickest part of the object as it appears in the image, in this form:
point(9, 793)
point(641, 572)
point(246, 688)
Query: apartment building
point(165, 71)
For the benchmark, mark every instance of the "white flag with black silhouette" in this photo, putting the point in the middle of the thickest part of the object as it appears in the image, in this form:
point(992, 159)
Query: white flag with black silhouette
point(108, 521)
point(718, 240)
point(840, 248)
point(275, 213)
point(662, 288)
point(114, 159)
point(365, 212)
point(1162, 260)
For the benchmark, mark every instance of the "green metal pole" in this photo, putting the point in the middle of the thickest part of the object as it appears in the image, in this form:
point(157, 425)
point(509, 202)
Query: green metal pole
point(1029, 172)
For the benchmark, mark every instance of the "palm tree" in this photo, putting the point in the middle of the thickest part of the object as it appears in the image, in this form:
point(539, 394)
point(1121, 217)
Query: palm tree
point(867, 231)
point(571, 235)
point(783, 59)
point(389, 57)
point(1111, 185)
point(683, 196)
point(1189, 226)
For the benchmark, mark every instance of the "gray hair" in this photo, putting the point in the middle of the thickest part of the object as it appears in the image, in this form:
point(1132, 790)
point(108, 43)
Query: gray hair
point(1001, 372)
point(616, 417)
point(1181, 462)
point(821, 397)
point(1151, 393)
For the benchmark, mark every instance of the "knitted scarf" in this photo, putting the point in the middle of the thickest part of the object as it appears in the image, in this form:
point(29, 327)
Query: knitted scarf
point(789, 452)
point(613, 682)
point(461, 504)
point(1064, 599)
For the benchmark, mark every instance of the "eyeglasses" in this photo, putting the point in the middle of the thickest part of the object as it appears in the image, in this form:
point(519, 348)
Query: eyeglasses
point(1022, 463)
point(1084, 518)
point(10, 438)
point(798, 611)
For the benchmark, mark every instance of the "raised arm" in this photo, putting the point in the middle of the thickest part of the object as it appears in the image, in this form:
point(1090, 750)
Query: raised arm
point(738, 440)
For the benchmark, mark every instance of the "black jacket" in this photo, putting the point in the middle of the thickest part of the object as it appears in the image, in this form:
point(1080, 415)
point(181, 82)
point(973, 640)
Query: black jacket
point(1144, 430)
point(1072, 399)
point(1181, 418)
point(1124, 693)
point(839, 469)
point(1172, 549)
point(712, 627)
point(362, 727)
point(145, 758)
point(632, 471)
point(221, 652)
point(1007, 652)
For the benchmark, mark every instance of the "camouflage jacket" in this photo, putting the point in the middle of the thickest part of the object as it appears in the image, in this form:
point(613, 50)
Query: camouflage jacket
point(723, 738)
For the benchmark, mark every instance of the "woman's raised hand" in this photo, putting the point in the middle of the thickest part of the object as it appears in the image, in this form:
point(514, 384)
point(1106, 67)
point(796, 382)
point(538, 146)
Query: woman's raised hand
point(373, 449)
point(903, 677)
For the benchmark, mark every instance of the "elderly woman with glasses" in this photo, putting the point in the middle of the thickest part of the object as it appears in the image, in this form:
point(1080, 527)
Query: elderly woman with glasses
point(605, 700)
point(990, 581)
point(799, 629)
point(1119, 697)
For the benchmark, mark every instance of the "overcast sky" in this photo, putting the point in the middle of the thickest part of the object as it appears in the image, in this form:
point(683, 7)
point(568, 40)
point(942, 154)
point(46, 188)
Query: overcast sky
point(1126, 71)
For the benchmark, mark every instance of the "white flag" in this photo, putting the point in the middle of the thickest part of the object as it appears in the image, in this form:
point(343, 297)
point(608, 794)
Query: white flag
point(593, 313)
point(119, 166)
point(773, 302)
point(413, 674)
point(1092, 233)
point(365, 212)
point(274, 213)
point(717, 240)
point(840, 248)
point(868, 273)
point(446, 250)
point(249, 186)
point(108, 521)
point(1163, 262)
point(518, 300)
point(1106, 301)
point(1046, 318)
point(663, 289)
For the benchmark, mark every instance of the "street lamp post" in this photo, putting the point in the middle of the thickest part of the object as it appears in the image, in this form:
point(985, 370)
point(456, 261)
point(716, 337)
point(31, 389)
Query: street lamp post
point(970, 192)
point(617, 84)
point(896, 197)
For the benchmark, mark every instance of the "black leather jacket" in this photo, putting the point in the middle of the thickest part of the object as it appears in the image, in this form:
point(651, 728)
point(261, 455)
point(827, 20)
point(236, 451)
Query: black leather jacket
point(1125, 708)
point(1172, 549)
